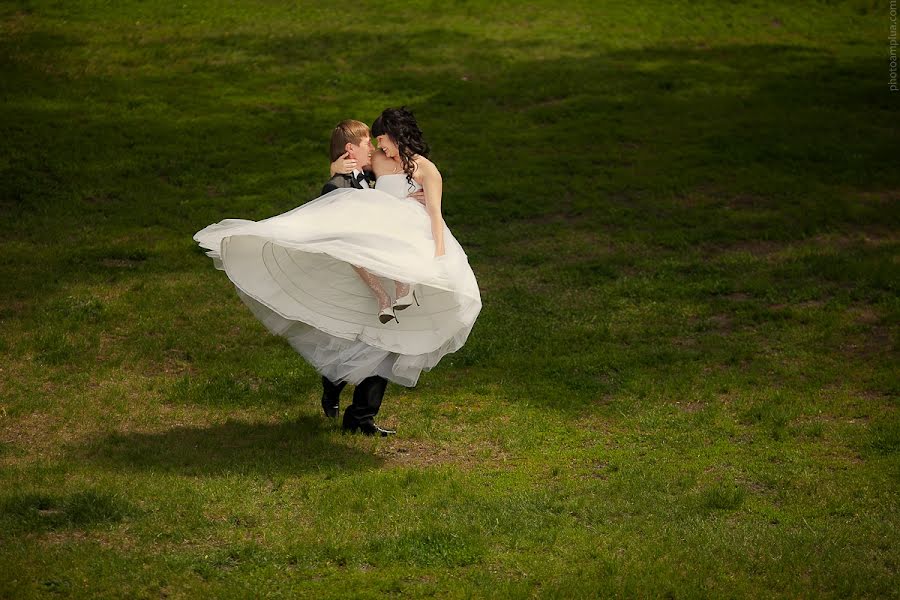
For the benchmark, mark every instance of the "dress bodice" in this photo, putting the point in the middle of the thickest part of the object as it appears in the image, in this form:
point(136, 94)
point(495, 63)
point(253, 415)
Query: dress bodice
point(396, 184)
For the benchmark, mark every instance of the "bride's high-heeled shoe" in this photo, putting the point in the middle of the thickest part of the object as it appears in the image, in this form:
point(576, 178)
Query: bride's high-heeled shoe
point(385, 310)
point(386, 314)
point(406, 300)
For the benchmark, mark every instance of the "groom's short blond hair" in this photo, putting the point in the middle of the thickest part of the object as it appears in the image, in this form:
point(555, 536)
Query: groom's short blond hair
point(347, 131)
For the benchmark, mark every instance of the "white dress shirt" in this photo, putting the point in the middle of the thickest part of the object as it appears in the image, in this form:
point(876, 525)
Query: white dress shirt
point(362, 181)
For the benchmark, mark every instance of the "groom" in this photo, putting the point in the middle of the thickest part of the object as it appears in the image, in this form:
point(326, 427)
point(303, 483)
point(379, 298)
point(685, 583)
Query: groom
point(353, 139)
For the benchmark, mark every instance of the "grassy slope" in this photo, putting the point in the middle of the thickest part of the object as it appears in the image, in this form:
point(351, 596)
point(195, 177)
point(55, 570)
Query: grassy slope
point(683, 217)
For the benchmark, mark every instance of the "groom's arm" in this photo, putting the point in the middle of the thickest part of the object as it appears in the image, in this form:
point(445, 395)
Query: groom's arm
point(418, 196)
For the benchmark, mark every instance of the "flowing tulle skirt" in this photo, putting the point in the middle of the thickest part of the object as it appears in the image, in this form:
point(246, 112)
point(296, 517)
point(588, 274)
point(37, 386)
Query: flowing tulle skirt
point(294, 271)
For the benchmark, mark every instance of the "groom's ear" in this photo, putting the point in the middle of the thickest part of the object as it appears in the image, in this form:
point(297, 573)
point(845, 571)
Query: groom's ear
point(347, 147)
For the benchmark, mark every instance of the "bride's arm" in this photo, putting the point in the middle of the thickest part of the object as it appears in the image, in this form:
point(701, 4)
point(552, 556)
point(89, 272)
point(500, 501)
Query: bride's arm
point(433, 186)
point(343, 165)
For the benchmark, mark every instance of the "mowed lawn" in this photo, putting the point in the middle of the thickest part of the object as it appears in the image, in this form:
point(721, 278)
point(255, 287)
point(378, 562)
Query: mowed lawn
point(683, 217)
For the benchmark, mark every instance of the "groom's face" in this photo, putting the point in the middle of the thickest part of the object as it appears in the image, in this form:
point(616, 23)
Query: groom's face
point(362, 152)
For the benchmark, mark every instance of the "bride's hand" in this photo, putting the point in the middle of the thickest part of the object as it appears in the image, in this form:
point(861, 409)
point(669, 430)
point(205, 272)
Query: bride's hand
point(343, 165)
point(418, 196)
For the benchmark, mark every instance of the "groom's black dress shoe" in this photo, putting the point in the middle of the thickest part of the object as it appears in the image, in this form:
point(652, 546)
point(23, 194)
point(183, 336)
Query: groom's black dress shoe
point(331, 396)
point(330, 406)
point(369, 429)
point(360, 416)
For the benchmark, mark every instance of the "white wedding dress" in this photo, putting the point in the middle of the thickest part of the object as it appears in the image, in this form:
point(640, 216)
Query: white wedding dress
point(294, 272)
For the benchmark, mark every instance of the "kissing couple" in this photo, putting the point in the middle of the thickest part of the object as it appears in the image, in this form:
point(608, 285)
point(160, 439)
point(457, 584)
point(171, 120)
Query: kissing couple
point(320, 275)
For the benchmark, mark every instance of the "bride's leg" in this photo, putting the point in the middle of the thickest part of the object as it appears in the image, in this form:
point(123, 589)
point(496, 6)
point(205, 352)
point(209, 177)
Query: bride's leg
point(375, 285)
point(401, 288)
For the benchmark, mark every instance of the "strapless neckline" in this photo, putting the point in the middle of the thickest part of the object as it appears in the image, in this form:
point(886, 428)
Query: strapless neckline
point(396, 184)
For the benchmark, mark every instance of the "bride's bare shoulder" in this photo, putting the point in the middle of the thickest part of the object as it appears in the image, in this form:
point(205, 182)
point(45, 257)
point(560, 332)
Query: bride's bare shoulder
point(424, 167)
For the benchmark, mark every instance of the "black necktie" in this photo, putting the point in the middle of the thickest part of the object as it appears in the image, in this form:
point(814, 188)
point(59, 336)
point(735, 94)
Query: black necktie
point(360, 178)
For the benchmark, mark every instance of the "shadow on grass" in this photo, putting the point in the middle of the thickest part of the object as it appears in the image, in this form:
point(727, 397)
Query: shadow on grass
point(650, 122)
point(303, 445)
point(42, 511)
point(230, 136)
point(677, 145)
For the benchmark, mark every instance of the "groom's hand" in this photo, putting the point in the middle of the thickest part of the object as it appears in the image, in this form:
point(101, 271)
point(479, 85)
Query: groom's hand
point(343, 165)
point(418, 196)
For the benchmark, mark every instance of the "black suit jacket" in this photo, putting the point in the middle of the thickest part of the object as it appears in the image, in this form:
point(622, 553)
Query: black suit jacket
point(343, 181)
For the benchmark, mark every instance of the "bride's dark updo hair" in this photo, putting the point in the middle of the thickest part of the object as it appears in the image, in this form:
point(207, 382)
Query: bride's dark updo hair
point(401, 126)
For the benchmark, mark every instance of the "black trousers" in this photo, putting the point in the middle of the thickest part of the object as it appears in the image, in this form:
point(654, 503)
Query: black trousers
point(367, 399)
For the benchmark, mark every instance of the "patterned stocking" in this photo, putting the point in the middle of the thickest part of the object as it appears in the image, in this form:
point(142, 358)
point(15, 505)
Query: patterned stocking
point(375, 285)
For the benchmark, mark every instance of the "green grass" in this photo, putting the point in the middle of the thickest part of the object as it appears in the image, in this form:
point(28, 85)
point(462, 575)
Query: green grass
point(683, 217)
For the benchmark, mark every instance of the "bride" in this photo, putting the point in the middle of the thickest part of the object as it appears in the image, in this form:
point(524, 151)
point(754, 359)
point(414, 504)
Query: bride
point(316, 274)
